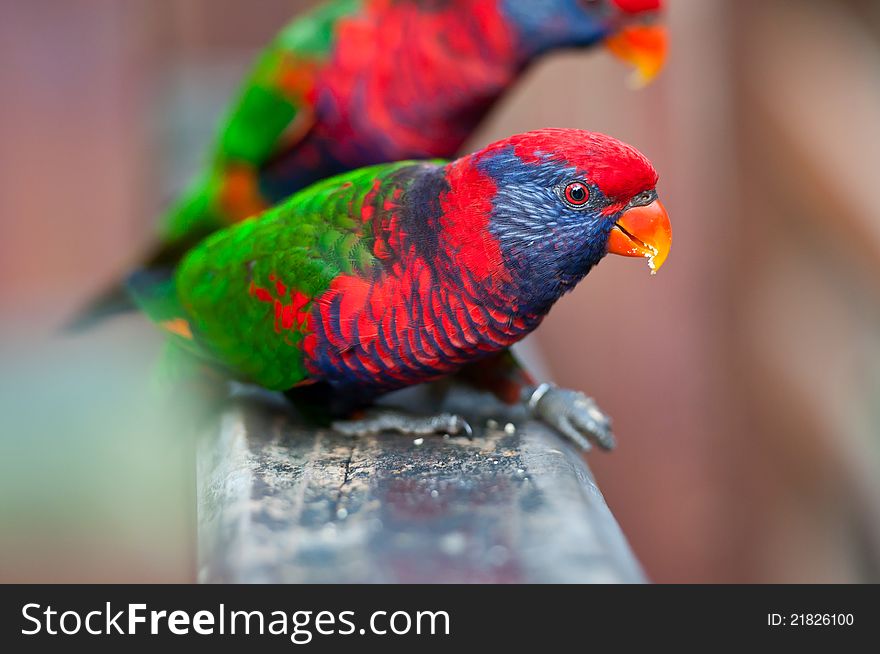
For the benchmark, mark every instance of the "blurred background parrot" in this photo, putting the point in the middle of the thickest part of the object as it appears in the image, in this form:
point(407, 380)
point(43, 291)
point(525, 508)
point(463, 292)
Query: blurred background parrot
point(360, 82)
point(406, 272)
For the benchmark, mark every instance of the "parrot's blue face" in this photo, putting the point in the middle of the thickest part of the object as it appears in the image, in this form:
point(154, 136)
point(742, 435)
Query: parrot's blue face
point(546, 24)
point(564, 201)
point(548, 219)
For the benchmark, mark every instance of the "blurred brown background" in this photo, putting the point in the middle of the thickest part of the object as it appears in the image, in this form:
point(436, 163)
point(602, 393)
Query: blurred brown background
point(744, 379)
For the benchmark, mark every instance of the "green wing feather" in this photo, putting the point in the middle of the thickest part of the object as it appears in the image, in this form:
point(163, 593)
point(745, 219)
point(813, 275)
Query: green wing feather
point(304, 243)
point(274, 106)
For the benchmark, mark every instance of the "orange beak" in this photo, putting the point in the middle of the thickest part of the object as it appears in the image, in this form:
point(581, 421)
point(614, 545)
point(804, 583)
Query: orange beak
point(642, 46)
point(643, 232)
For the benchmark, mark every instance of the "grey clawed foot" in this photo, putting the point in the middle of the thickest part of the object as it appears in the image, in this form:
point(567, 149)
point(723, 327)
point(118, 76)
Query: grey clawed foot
point(382, 421)
point(573, 414)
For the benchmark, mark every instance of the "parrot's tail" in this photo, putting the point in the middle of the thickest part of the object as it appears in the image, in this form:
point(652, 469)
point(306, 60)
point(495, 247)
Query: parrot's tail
point(112, 302)
point(118, 299)
point(187, 223)
point(153, 291)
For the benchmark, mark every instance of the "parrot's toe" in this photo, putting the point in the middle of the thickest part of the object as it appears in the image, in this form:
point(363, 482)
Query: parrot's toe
point(573, 414)
point(383, 421)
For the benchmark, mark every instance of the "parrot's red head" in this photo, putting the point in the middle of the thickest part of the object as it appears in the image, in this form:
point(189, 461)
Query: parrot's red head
point(627, 27)
point(563, 198)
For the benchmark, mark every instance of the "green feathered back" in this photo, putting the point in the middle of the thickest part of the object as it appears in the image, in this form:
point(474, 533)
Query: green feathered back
point(227, 288)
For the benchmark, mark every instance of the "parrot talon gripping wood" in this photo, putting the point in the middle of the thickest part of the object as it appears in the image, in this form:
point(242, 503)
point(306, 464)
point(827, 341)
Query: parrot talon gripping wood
point(572, 414)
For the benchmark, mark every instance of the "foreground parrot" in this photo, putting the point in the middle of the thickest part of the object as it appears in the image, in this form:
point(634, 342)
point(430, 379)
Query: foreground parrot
point(362, 82)
point(407, 272)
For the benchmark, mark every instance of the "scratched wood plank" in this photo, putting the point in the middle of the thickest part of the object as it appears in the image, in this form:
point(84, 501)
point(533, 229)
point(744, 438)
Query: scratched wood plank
point(279, 502)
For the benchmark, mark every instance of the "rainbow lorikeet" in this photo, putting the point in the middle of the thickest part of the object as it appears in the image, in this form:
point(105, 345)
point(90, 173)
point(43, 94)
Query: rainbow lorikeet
point(407, 272)
point(359, 82)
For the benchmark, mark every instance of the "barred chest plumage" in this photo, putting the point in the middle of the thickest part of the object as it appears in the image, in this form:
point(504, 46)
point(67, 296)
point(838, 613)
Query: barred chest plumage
point(440, 299)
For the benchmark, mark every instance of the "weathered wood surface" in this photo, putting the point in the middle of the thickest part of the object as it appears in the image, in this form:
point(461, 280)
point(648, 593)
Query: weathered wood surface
point(281, 503)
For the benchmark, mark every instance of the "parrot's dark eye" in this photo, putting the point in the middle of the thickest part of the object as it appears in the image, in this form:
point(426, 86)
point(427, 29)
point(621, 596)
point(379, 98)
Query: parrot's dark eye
point(576, 194)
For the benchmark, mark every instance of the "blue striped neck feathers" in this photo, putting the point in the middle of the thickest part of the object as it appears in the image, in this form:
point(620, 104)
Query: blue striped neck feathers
point(542, 25)
point(549, 223)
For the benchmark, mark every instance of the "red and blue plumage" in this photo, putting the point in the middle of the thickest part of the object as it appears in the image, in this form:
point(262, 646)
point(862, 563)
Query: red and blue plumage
point(479, 250)
point(451, 297)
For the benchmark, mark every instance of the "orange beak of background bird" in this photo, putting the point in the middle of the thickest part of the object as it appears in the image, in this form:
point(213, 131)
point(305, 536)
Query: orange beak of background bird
point(642, 46)
point(643, 232)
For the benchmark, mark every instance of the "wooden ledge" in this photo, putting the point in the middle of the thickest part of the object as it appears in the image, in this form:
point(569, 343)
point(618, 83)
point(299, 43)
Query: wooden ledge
point(279, 502)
